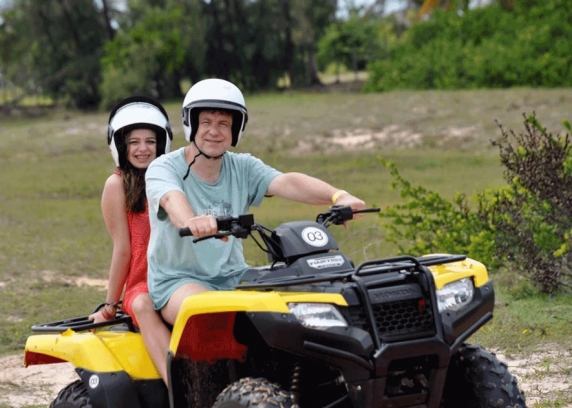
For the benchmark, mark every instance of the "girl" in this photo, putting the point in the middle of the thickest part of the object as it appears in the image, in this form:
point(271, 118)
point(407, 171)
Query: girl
point(138, 132)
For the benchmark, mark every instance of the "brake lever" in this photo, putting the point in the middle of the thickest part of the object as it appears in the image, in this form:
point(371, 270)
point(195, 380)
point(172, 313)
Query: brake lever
point(346, 214)
point(368, 210)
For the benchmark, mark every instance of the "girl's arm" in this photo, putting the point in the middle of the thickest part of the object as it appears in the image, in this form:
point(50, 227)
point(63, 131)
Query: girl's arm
point(115, 216)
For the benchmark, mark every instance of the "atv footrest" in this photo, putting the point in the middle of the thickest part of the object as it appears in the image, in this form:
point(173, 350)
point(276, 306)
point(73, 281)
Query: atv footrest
point(409, 401)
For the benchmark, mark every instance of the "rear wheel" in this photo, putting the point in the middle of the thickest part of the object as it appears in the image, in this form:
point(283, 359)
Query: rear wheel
point(73, 395)
point(254, 392)
point(478, 379)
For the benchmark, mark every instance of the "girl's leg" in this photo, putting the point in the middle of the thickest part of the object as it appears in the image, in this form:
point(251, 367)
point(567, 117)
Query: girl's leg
point(155, 334)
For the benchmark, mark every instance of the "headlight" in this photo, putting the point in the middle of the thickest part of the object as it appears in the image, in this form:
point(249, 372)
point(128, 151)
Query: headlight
point(320, 316)
point(455, 295)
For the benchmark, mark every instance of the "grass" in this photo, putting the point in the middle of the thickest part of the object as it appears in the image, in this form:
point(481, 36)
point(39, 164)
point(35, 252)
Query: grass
point(9, 94)
point(54, 167)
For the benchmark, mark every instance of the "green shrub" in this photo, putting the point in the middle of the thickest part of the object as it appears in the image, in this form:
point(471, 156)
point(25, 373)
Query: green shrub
point(525, 226)
point(533, 216)
point(427, 223)
point(486, 47)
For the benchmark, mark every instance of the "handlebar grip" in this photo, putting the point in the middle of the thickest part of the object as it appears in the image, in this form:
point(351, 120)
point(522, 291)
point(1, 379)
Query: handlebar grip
point(185, 232)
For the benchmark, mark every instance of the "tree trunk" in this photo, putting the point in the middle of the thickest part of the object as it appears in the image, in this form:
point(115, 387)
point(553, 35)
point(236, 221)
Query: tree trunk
point(313, 77)
point(72, 27)
point(288, 42)
point(107, 19)
point(355, 65)
point(507, 5)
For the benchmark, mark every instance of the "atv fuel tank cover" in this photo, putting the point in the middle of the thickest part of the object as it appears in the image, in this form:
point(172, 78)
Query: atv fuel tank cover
point(314, 236)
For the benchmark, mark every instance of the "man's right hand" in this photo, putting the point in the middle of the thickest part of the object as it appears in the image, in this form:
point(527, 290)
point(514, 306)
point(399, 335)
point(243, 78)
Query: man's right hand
point(202, 225)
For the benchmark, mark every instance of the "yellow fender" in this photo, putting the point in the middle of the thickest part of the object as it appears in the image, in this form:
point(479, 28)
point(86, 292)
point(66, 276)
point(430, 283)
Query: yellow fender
point(468, 268)
point(103, 351)
point(204, 326)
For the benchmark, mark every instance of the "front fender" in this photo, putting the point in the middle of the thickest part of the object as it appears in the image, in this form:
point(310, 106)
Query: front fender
point(450, 272)
point(100, 352)
point(203, 330)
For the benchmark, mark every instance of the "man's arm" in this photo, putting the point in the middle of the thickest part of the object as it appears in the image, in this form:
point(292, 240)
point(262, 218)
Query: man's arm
point(177, 208)
point(181, 215)
point(310, 190)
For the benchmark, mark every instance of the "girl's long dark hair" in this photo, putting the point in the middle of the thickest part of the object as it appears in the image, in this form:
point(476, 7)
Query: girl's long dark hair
point(134, 186)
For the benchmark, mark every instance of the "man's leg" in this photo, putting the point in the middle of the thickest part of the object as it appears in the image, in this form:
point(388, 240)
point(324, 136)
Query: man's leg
point(172, 307)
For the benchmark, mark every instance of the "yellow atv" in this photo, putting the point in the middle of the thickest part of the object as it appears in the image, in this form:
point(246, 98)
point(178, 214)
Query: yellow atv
point(309, 330)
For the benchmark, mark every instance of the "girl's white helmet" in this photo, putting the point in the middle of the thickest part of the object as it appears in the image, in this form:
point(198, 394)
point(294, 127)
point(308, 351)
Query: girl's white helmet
point(137, 112)
point(214, 94)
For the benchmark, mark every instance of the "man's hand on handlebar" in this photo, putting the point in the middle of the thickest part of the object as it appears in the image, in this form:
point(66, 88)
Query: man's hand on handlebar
point(203, 225)
point(350, 201)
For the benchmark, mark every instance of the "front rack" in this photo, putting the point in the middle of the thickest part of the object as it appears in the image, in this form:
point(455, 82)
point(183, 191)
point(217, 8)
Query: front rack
point(384, 265)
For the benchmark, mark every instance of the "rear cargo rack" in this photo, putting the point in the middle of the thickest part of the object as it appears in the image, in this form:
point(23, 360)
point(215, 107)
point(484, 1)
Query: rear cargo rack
point(83, 323)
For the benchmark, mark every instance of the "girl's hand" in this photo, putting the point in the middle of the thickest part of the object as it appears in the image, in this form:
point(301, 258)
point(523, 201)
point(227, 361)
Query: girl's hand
point(97, 317)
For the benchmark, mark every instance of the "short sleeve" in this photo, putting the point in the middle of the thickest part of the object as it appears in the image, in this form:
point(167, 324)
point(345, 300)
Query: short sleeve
point(260, 177)
point(160, 178)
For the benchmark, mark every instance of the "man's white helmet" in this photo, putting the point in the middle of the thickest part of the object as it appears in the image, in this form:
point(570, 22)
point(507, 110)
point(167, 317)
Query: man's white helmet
point(214, 94)
point(137, 112)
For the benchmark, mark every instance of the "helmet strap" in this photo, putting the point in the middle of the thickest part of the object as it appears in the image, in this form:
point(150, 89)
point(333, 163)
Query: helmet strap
point(197, 155)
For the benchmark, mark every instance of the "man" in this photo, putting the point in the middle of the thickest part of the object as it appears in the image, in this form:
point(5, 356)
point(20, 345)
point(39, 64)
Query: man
point(195, 184)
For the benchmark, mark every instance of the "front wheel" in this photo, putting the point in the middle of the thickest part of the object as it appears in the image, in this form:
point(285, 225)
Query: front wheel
point(254, 392)
point(478, 379)
point(73, 395)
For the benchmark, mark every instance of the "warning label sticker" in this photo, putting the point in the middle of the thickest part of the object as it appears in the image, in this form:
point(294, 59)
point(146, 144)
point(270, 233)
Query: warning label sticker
point(327, 262)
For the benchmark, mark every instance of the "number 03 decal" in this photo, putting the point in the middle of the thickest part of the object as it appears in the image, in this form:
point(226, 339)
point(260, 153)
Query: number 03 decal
point(314, 236)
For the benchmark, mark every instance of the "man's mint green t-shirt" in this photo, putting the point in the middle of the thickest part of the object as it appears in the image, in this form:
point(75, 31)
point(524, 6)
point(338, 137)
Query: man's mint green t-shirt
point(174, 261)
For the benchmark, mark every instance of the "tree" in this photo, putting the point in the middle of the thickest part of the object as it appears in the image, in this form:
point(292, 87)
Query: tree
point(81, 51)
point(311, 18)
point(54, 46)
point(352, 43)
point(248, 41)
point(150, 54)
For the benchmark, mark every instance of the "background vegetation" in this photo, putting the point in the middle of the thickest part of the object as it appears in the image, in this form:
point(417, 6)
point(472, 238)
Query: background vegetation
point(89, 54)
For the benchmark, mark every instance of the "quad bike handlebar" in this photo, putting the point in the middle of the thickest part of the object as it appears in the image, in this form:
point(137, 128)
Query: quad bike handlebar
point(238, 227)
point(339, 214)
point(241, 226)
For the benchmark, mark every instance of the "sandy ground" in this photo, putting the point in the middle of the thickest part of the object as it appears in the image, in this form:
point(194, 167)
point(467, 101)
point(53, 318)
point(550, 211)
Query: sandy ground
point(545, 377)
point(35, 385)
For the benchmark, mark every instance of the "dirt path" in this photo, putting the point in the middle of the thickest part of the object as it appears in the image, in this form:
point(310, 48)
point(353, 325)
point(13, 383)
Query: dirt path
point(36, 385)
point(545, 376)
